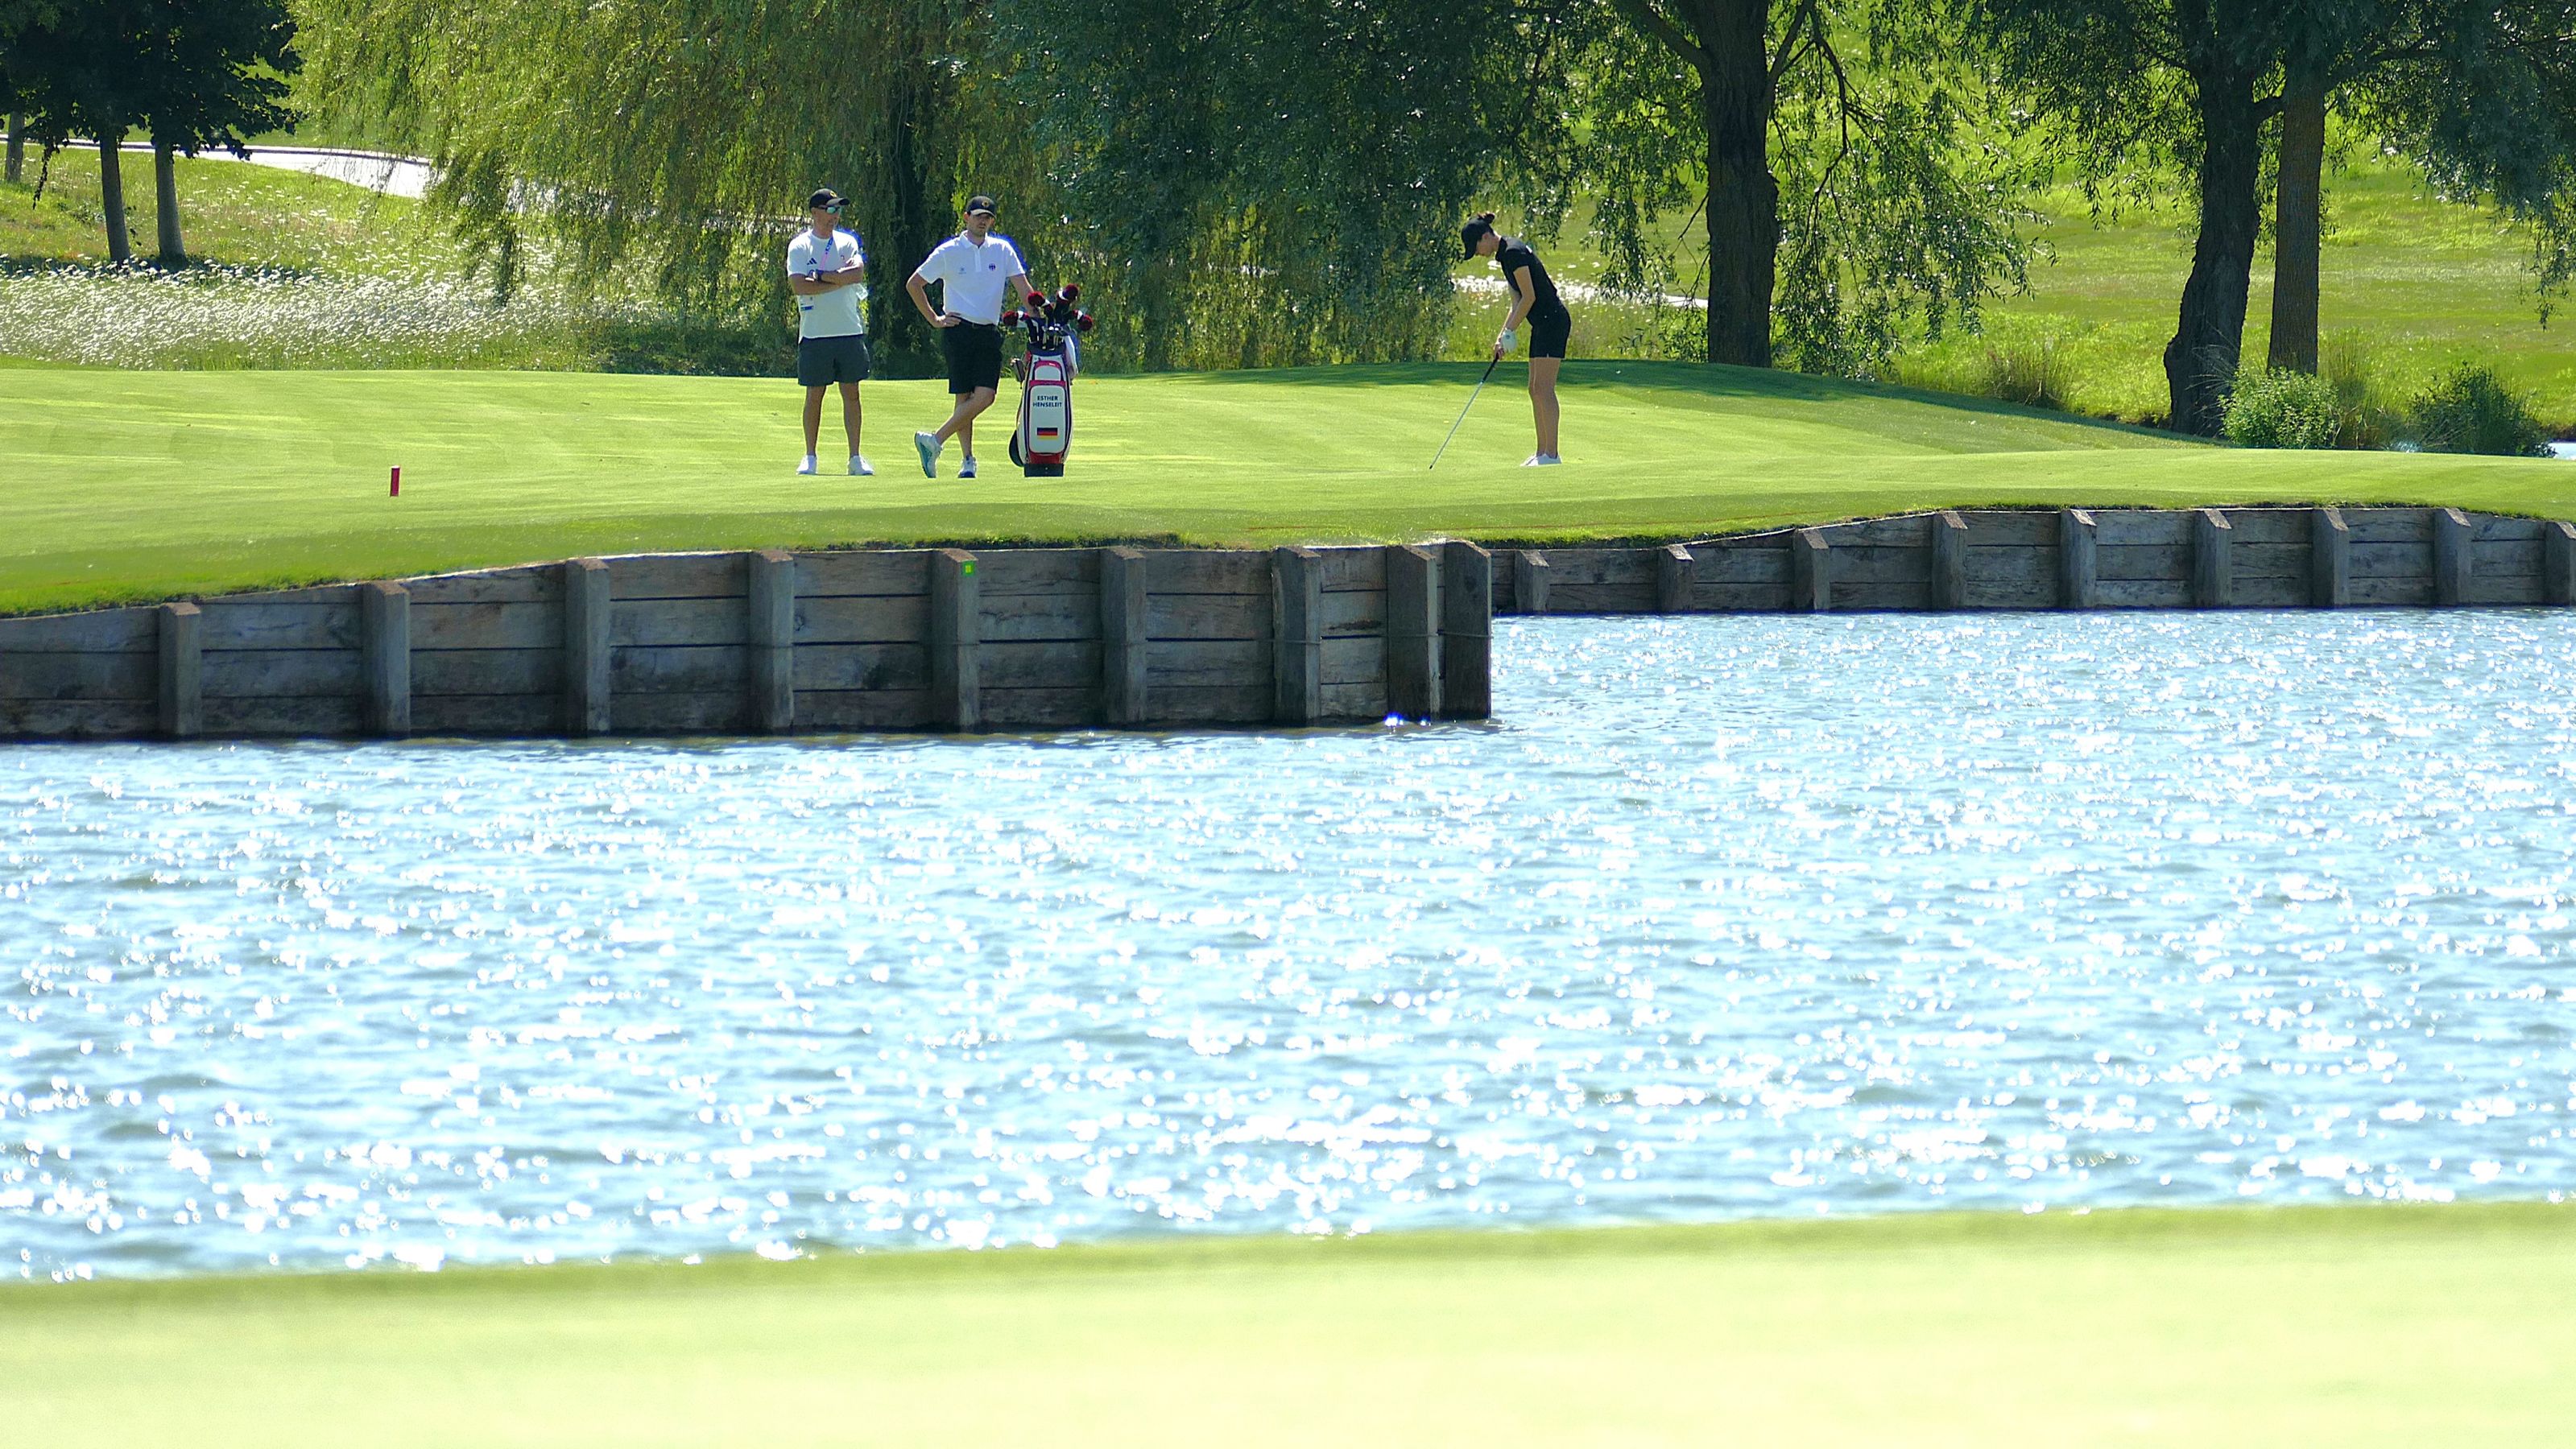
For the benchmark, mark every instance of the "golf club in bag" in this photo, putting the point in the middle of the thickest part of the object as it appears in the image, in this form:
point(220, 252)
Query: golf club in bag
point(1044, 433)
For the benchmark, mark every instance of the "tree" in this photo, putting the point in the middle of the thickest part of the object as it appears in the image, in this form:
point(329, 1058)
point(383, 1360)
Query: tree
point(72, 69)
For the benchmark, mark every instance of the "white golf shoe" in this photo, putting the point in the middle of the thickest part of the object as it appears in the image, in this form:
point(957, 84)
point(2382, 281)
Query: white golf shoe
point(1541, 460)
point(966, 469)
point(859, 467)
point(927, 445)
point(806, 467)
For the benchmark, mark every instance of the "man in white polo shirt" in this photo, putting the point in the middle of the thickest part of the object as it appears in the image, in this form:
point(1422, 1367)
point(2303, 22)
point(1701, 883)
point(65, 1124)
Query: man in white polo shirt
point(825, 267)
point(977, 272)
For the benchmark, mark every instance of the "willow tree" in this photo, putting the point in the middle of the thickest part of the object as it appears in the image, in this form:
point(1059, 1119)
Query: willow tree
point(670, 137)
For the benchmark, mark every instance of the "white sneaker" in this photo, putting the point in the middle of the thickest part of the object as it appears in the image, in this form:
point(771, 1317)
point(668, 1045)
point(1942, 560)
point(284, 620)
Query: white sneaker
point(966, 469)
point(1541, 460)
point(807, 466)
point(927, 445)
point(859, 467)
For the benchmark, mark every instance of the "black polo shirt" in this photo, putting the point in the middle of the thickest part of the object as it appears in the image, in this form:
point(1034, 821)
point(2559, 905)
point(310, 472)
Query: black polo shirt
point(1516, 254)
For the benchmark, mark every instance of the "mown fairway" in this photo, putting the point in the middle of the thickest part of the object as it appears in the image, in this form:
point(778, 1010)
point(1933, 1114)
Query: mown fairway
point(2351, 1325)
point(124, 485)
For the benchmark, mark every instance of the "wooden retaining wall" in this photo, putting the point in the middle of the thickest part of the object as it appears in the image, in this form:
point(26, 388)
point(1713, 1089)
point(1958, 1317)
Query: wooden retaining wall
point(2212, 558)
point(725, 643)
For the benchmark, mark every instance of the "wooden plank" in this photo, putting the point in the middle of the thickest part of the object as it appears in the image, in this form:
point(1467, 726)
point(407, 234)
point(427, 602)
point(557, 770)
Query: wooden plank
point(1467, 630)
point(2391, 525)
point(1189, 704)
point(1675, 576)
point(1122, 635)
point(309, 594)
point(2452, 558)
point(719, 713)
point(1762, 560)
point(650, 623)
point(2505, 589)
point(77, 719)
point(1877, 596)
point(231, 625)
point(2495, 528)
point(1880, 564)
point(518, 625)
point(2011, 527)
point(1733, 598)
point(270, 717)
point(2011, 576)
point(1363, 702)
point(842, 667)
point(180, 672)
point(1297, 638)
point(675, 576)
point(587, 618)
point(2270, 526)
point(486, 671)
point(99, 631)
point(1811, 572)
point(1208, 616)
point(2329, 559)
point(1413, 631)
point(2271, 560)
point(1207, 571)
point(1906, 531)
point(2213, 565)
point(1033, 617)
point(1353, 661)
point(512, 715)
point(845, 710)
point(2558, 563)
point(2272, 592)
point(2414, 593)
point(1353, 614)
point(2173, 561)
point(384, 610)
point(680, 669)
point(2141, 594)
point(956, 607)
point(1068, 708)
point(769, 616)
point(1006, 572)
point(282, 674)
point(2506, 558)
point(2078, 559)
point(1207, 663)
point(862, 572)
point(129, 677)
point(1634, 567)
point(1949, 560)
point(1565, 598)
point(2122, 527)
point(1531, 575)
point(863, 619)
point(502, 586)
point(1055, 664)
point(1347, 569)
point(2392, 560)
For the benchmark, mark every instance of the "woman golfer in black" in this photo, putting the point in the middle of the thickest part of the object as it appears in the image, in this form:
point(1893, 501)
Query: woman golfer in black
point(1534, 300)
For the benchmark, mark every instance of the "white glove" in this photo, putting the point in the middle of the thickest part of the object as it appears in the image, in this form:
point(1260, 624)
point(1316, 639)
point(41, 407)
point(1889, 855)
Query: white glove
point(1504, 339)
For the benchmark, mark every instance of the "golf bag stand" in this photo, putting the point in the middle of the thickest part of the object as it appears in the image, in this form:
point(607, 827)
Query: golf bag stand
point(1043, 434)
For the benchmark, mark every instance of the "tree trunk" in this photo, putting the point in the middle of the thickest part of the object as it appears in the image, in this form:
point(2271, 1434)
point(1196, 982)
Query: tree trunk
point(916, 221)
point(1743, 196)
point(2209, 340)
point(165, 204)
point(2296, 216)
point(111, 194)
point(17, 148)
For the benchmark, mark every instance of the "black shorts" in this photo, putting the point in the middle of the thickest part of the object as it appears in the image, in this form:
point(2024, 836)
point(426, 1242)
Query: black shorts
point(822, 361)
point(1548, 331)
point(974, 352)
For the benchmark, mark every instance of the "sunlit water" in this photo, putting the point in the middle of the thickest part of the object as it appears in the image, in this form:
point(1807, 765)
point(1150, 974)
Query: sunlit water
point(1721, 917)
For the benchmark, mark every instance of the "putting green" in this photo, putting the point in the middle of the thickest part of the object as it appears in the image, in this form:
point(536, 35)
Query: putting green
point(2364, 1324)
point(125, 485)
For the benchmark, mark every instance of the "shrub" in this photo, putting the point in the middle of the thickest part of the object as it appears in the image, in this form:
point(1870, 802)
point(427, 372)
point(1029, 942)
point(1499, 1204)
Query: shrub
point(2027, 373)
point(2472, 411)
point(2351, 366)
point(2283, 410)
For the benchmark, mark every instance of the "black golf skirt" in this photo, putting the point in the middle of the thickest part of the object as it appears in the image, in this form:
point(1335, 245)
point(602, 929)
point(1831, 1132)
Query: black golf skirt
point(1548, 332)
point(974, 352)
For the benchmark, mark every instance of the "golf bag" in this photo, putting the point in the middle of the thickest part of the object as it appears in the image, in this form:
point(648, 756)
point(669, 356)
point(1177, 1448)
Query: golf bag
point(1043, 435)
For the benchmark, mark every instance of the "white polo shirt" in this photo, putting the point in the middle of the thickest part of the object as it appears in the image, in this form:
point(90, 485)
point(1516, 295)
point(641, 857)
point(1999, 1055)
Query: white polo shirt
point(834, 313)
point(975, 280)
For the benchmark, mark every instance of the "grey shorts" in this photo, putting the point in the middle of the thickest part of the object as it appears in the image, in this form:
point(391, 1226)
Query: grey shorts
point(822, 361)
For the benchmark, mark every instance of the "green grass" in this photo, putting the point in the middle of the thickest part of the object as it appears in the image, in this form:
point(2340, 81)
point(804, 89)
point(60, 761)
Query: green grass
point(234, 214)
point(127, 486)
point(2348, 1325)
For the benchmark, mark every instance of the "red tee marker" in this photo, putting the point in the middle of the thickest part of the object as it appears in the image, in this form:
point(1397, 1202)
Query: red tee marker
point(396, 491)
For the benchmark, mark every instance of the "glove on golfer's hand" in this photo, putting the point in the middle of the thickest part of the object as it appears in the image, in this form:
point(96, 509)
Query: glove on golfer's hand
point(1503, 340)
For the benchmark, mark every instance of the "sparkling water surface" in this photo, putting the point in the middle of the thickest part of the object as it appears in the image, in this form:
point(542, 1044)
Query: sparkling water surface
point(1720, 917)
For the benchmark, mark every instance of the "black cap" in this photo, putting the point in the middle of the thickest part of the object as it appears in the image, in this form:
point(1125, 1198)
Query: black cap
point(1474, 232)
point(824, 199)
point(980, 203)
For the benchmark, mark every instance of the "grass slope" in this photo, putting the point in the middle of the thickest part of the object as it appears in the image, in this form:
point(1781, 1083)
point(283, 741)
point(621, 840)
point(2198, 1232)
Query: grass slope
point(125, 486)
point(2349, 1325)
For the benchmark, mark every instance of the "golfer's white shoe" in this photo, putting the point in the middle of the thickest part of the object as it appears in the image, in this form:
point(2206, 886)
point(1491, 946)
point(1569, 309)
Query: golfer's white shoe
point(807, 466)
point(927, 445)
point(859, 467)
point(966, 469)
point(1541, 460)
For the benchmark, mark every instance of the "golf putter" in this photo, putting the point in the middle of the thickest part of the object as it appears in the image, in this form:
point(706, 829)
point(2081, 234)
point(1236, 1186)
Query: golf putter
point(1462, 412)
